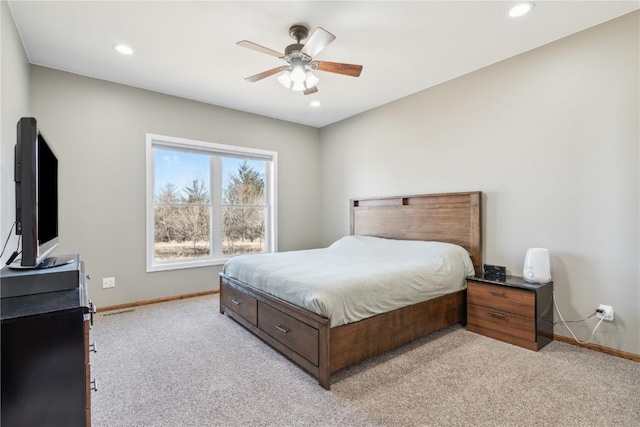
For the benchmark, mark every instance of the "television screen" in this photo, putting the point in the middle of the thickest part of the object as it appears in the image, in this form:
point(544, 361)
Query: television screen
point(36, 178)
point(47, 192)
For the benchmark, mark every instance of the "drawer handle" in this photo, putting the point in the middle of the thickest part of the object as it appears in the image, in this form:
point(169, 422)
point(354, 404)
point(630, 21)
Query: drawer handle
point(94, 385)
point(235, 301)
point(93, 347)
point(92, 311)
point(281, 329)
point(497, 315)
point(497, 293)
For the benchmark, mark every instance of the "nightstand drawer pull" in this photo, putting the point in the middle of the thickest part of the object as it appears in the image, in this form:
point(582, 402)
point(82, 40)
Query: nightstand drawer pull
point(497, 315)
point(497, 293)
point(235, 301)
point(93, 347)
point(94, 385)
point(281, 329)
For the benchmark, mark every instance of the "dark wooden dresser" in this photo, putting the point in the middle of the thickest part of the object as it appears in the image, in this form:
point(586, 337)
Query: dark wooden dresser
point(511, 310)
point(45, 352)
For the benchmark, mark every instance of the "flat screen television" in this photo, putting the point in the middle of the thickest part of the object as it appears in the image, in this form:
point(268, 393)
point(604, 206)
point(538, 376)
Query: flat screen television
point(36, 184)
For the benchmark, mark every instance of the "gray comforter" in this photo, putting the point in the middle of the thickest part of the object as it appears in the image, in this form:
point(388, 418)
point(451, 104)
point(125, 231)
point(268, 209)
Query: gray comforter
point(357, 276)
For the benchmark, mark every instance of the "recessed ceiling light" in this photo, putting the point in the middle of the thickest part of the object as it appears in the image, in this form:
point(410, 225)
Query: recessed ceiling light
point(521, 9)
point(123, 49)
point(315, 103)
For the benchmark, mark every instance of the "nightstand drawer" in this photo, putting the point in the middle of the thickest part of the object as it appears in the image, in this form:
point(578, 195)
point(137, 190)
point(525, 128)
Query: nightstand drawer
point(502, 298)
point(240, 303)
point(502, 322)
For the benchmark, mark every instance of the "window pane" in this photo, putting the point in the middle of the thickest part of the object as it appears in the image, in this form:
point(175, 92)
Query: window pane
point(242, 230)
point(243, 181)
point(181, 232)
point(243, 206)
point(181, 177)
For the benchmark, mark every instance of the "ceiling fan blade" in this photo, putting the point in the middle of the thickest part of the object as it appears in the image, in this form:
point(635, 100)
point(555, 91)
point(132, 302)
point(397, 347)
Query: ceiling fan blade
point(265, 74)
point(318, 41)
point(340, 68)
point(311, 90)
point(258, 48)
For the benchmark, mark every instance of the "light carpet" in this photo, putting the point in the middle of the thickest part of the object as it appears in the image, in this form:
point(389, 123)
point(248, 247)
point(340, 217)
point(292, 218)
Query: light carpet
point(182, 363)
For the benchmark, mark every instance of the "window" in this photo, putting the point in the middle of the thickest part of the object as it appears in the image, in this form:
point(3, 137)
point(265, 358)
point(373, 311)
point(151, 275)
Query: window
point(207, 202)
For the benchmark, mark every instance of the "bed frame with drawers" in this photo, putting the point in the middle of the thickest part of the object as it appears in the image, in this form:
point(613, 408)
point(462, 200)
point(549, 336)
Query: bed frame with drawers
point(308, 340)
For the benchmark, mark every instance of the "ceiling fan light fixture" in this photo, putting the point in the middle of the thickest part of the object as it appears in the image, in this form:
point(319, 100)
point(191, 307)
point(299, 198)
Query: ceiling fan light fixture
point(298, 86)
point(298, 74)
point(285, 79)
point(298, 79)
point(311, 80)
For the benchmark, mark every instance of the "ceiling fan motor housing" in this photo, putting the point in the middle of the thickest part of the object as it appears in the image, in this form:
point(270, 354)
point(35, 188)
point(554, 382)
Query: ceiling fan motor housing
point(298, 32)
point(296, 47)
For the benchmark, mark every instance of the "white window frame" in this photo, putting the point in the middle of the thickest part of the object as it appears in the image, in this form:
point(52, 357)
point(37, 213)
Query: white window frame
point(209, 148)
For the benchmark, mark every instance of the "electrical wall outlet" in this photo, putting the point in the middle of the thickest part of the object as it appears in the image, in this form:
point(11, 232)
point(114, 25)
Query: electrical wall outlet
point(605, 312)
point(109, 282)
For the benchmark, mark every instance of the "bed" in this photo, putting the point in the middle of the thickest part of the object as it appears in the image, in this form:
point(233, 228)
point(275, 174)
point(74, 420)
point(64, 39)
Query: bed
point(311, 341)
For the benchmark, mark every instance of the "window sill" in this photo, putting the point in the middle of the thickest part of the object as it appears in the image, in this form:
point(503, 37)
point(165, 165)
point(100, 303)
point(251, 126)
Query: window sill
point(180, 265)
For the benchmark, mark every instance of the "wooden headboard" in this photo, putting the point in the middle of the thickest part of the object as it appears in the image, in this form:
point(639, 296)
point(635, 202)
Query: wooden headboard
point(449, 217)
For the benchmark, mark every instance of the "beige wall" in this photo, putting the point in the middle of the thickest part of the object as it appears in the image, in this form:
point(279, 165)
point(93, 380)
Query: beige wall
point(551, 137)
point(97, 130)
point(15, 101)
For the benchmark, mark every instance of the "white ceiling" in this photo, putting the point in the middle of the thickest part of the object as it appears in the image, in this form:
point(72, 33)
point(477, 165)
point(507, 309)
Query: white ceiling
point(188, 48)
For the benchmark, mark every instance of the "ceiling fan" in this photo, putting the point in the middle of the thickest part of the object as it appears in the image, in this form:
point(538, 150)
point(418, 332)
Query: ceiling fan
point(297, 74)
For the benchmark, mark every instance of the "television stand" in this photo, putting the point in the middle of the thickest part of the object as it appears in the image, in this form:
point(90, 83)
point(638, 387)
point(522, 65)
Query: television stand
point(45, 353)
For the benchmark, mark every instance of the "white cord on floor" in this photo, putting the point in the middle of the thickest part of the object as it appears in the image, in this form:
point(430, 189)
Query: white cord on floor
point(567, 326)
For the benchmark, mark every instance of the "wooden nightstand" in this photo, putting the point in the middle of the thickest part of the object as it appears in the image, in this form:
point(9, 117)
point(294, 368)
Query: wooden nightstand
point(511, 310)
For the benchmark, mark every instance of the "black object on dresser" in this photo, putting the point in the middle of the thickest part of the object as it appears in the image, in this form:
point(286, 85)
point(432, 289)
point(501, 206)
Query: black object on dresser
point(45, 351)
point(510, 309)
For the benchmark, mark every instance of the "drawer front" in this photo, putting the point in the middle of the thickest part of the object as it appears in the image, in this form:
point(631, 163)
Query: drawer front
point(299, 337)
point(89, 389)
point(87, 370)
point(502, 298)
point(240, 303)
point(502, 322)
